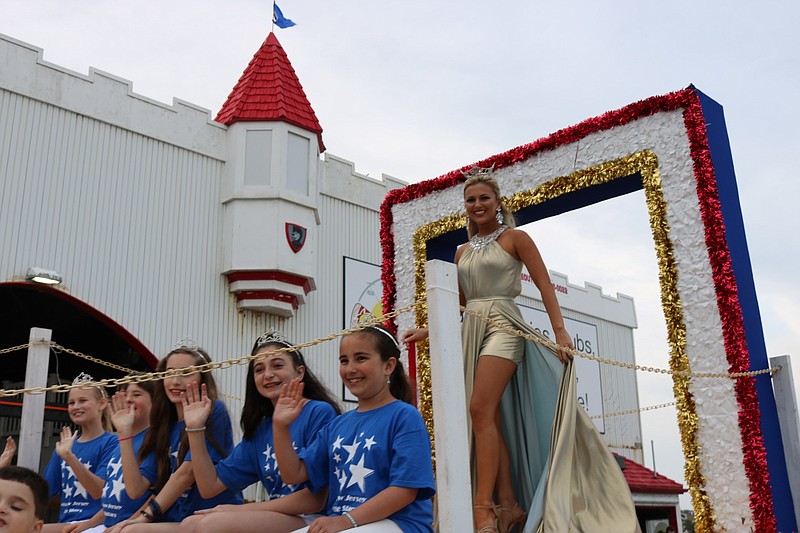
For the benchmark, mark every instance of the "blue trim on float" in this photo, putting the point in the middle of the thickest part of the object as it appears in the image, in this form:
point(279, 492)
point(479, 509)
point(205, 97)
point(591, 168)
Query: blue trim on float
point(740, 259)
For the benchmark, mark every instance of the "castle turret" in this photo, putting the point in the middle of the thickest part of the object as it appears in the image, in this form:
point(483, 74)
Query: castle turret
point(270, 186)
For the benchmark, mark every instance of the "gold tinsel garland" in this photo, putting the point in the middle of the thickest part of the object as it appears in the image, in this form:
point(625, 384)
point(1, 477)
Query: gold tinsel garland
point(644, 163)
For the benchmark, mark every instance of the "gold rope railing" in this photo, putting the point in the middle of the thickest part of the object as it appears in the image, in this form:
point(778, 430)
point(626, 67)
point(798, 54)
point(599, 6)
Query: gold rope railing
point(18, 347)
point(228, 363)
point(625, 446)
point(631, 366)
point(633, 411)
point(58, 349)
point(153, 376)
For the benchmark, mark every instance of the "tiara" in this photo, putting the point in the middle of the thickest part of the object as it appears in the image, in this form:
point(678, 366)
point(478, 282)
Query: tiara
point(191, 345)
point(83, 377)
point(369, 321)
point(478, 171)
point(273, 336)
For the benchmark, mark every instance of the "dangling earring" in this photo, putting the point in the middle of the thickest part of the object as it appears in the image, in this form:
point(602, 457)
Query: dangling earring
point(389, 381)
point(499, 215)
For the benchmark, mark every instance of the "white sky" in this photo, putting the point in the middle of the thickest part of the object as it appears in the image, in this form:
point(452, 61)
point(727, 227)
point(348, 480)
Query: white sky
point(417, 88)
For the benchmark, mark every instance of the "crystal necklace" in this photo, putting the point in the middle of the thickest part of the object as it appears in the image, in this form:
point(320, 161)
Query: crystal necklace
point(478, 243)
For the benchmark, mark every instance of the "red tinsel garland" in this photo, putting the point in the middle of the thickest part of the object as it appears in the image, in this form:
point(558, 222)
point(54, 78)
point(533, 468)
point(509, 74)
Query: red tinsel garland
point(755, 460)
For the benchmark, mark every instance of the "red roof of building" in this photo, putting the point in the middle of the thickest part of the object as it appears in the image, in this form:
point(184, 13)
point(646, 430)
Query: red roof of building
point(269, 90)
point(642, 479)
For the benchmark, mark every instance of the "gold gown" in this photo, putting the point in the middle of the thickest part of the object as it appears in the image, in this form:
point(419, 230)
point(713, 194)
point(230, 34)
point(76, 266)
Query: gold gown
point(564, 475)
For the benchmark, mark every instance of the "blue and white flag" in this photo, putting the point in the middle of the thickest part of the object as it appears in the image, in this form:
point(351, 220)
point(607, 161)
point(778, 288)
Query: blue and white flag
point(278, 19)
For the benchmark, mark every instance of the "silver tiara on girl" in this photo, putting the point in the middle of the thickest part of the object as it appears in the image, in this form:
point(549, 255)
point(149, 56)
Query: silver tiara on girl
point(273, 336)
point(190, 345)
point(83, 377)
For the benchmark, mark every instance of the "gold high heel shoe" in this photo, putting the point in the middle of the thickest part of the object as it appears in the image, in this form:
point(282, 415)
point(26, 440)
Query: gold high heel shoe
point(519, 520)
point(494, 528)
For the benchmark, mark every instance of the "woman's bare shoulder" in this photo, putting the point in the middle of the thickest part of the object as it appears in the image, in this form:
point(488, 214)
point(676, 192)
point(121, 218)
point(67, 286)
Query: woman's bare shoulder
point(517, 236)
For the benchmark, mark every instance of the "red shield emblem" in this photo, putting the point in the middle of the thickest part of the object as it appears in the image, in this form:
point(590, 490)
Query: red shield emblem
point(296, 236)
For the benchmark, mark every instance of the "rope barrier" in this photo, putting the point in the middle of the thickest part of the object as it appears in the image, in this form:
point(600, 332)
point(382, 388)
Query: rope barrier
point(633, 411)
point(631, 366)
point(15, 348)
point(228, 363)
point(153, 376)
point(58, 348)
point(625, 446)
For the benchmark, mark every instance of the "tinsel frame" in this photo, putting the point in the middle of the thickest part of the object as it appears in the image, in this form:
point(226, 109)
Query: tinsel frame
point(716, 499)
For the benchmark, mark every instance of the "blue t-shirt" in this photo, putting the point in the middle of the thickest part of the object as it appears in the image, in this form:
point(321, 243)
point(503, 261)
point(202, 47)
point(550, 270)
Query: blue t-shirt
point(253, 460)
point(359, 454)
point(117, 505)
point(76, 503)
point(218, 425)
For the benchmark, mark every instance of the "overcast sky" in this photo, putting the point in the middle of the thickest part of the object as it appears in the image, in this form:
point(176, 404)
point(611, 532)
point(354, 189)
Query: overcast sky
point(415, 89)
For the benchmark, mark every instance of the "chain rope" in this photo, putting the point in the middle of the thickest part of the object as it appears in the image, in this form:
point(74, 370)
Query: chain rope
point(153, 376)
point(626, 446)
point(58, 348)
point(132, 377)
point(688, 374)
point(633, 411)
point(15, 348)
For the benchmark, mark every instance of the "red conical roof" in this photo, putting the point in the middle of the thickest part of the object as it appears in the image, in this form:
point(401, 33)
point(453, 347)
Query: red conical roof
point(269, 90)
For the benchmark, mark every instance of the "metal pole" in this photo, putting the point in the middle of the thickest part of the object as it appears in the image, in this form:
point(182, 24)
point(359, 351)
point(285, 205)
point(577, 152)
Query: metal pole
point(30, 433)
point(653, 451)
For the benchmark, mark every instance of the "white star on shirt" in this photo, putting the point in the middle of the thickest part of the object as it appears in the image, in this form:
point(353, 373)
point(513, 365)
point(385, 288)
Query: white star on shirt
point(70, 473)
point(338, 442)
point(80, 490)
point(268, 453)
point(68, 491)
point(116, 491)
point(337, 458)
point(360, 473)
point(342, 479)
point(352, 449)
point(370, 442)
point(115, 467)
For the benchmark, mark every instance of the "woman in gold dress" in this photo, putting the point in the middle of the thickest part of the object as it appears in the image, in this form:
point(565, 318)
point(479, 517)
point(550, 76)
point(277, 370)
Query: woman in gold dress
point(565, 479)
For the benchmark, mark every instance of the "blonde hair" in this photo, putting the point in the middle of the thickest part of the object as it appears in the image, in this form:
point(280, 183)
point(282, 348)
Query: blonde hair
point(485, 176)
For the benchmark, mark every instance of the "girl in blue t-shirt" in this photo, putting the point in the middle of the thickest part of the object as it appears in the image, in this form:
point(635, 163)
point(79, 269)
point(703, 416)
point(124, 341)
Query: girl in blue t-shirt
point(130, 408)
point(164, 455)
point(375, 461)
point(77, 468)
point(276, 363)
